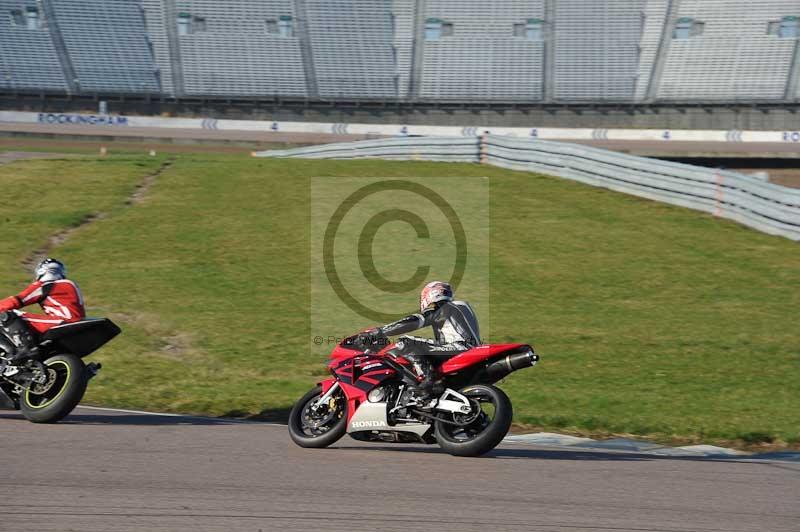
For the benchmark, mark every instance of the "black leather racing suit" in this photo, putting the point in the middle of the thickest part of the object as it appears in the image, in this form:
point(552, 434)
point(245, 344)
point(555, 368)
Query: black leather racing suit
point(455, 330)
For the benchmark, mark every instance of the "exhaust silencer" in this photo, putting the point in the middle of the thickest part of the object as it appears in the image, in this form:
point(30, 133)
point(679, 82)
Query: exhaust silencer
point(510, 363)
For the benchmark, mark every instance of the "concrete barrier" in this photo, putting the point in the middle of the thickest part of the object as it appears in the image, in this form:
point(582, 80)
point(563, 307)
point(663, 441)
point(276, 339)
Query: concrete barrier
point(401, 130)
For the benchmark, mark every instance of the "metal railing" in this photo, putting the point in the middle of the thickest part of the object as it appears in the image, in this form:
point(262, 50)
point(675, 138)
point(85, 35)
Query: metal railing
point(452, 149)
point(763, 206)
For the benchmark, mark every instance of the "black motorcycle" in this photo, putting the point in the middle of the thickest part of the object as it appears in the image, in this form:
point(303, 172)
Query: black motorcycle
point(48, 386)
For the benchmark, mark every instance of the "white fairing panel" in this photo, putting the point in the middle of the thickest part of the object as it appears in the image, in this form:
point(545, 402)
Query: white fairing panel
point(372, 416)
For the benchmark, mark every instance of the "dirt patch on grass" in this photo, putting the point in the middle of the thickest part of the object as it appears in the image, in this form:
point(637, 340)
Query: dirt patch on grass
point(177, 346)
point(63, 235)
point(147, 181)
point(167, 342)
point(59, 238)
point(11, 156)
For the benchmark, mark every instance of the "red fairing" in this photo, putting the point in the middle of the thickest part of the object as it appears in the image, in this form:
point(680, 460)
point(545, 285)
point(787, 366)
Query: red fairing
point(341, 352)
point(326, 385)
point(385, 351)
point(354, 395)
point(476, 355)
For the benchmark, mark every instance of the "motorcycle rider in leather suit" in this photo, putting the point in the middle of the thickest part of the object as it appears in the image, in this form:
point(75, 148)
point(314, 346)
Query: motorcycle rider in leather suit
point(455, 330)
point(60, 299)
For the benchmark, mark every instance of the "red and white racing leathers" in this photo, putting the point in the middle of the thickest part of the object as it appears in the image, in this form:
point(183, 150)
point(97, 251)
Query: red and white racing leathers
point(61, 301)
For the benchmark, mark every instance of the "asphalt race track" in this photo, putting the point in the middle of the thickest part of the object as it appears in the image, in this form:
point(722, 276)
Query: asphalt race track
point(104, 470)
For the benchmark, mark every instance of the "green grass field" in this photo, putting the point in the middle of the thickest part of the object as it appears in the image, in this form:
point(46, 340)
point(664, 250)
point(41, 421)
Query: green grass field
point(651, 320)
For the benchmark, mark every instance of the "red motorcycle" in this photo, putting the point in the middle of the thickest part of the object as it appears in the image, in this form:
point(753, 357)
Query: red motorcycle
point(368, 398)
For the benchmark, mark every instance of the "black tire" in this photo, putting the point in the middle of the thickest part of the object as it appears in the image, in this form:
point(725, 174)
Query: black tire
point(485, 433)
point(68, 387)
point(329, 432)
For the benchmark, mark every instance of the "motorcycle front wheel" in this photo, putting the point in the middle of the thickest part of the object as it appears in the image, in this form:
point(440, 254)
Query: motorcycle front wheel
point(64, 386)
point(318, 425)
point(483, 428)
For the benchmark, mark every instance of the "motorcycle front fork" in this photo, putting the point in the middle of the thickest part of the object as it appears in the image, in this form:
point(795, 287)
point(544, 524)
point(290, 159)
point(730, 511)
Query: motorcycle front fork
point(327, 395)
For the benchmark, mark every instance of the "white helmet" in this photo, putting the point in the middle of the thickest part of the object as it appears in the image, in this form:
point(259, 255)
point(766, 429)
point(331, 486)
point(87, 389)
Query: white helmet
point(434, 292)
point(49, 270)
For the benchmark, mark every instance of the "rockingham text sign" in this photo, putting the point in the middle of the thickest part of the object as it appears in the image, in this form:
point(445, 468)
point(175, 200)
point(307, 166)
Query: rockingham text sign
point(94, 120)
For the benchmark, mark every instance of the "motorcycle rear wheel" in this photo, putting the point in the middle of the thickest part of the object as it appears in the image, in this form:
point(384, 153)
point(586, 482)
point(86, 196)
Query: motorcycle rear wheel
point(486, 431)
point(320, 427)
point(54, 400)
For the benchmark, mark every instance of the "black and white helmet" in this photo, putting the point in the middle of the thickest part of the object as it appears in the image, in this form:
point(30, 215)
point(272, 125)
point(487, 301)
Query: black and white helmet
point(49, 270)
point(434, 292)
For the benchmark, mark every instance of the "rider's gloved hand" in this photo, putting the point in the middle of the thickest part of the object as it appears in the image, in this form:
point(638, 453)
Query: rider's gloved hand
point(371, 337)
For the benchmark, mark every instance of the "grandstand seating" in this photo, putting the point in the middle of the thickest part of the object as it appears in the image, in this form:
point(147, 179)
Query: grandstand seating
point(107, 45)
point(404, 20)
point(236, 49)
point(28, 58)
point(155, 16)
point(352, 45)
point(654, 14)
point(466, 50)
point(734, 58)
point(483, 59)
point(597, 49)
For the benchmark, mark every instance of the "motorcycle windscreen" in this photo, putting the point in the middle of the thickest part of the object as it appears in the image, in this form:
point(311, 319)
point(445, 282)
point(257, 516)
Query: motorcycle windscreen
point(82, 337)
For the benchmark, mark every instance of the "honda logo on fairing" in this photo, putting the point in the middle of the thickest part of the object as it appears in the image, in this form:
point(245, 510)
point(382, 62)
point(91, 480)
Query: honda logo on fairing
point(368, 423)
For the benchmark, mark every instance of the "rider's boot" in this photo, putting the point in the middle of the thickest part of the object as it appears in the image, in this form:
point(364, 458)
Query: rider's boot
point(425, 388)
point(18, 342)
point(9, 361)
point(7, 350)
point(23, 354)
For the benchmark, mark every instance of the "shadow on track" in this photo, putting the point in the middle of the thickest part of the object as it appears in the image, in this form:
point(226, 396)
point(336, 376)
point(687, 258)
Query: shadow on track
point(505, 453)
point(272, 415)
point(101, 417)
point(530, 454)
point(127, 419)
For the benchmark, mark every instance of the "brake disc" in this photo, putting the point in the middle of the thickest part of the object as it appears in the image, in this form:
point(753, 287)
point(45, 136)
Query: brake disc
point(475, 412)
point(315, 418)
point(42, 388)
